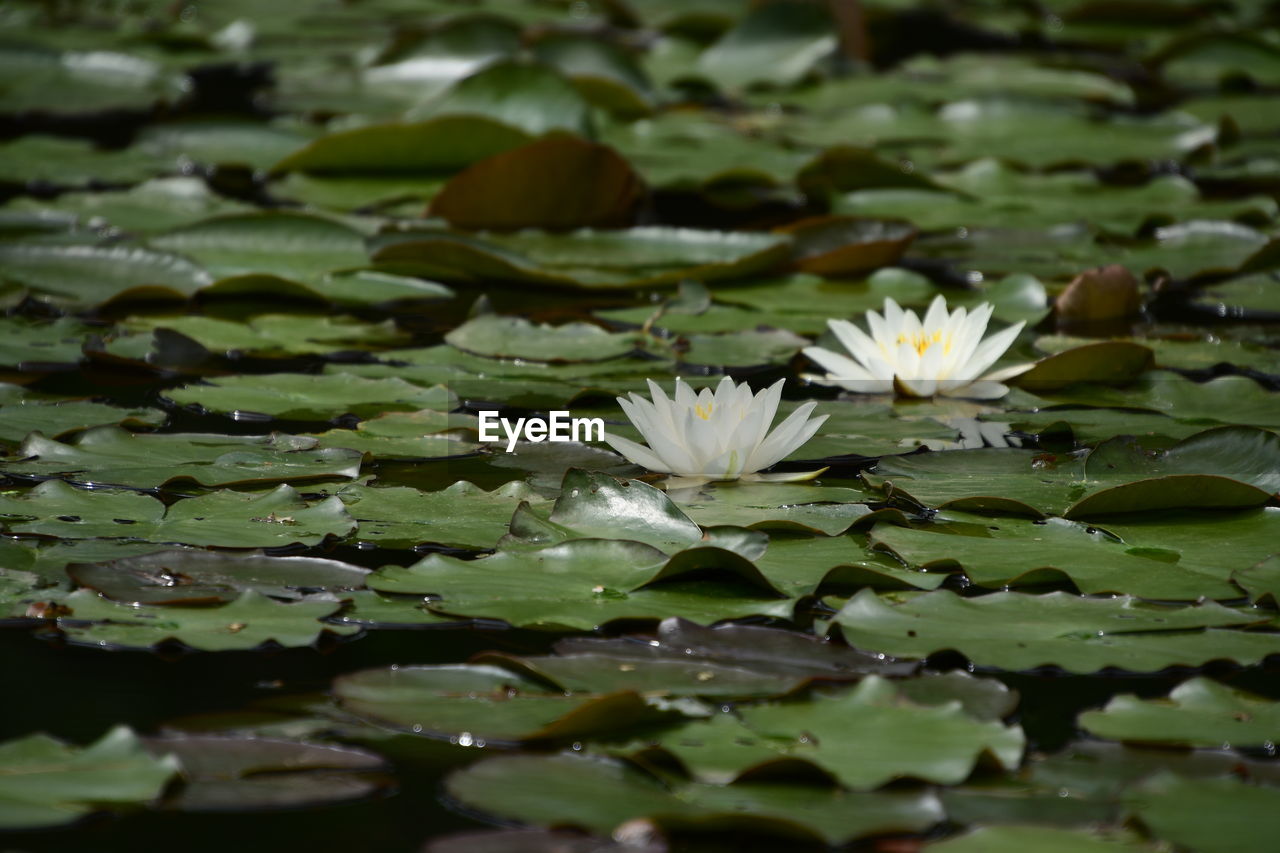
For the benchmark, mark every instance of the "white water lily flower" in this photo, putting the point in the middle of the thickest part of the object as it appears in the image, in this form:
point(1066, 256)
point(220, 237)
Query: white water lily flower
point(943, 354)
point(715, 436)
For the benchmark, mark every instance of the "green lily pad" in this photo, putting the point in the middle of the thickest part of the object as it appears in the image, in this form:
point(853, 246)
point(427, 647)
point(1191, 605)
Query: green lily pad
point(154, 205)
point(1261, 581)
point(223, 143)
point(514, 337)
point(600, 794)
point(474, 705)
point(1045, 839)
point(374, 612)
point(71, 162)
point(1218, 468)
point(55, 344)
point(578, 585)
point(282, 244)
point(829, 510)
point(1006, 552)
point(943, 746)
point(225, 774)
point(439, 144)
point(525, 96)
point(1184, 354)
point(48, 783)
point(81, 277)
point(460, 516)
point(586, 259)
point(990, 193)
point(224, 518)
point(249, 622)
point(1015, 631)
point(804, 565)
point(740, 349)
point(1199, 712)
point(1102, 362)
point(773, 43)
point(1227, 399)
point(268, 335)
point(113, 456)
point(592, 505)
point(687, 659)
point(57, 418)
point(1224, 815)
point(604, 73)
point(193, 577)
point(308, 397)
point(84, 80)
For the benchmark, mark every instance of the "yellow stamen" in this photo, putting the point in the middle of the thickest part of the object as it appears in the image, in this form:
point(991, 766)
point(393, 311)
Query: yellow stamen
point(921, 341)
point(702, 411)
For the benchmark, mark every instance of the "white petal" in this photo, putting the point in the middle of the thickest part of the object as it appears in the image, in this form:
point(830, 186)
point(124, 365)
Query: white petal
point(982, 389)
point(856, 342)
point(936, 317)
point(783, 440)
point(837, 366)
point(637, 453)
point(991, 349)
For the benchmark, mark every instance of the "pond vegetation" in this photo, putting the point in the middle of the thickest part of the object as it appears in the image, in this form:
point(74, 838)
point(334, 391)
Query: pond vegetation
point(263, 266)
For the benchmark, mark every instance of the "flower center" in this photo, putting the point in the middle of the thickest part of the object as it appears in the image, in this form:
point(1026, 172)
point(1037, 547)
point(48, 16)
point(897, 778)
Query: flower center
point(921, 341)
point(702, 411)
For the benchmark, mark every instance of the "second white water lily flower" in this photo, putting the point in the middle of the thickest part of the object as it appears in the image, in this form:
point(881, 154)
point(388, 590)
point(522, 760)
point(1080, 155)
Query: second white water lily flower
point(714, 436)
point(945, 353)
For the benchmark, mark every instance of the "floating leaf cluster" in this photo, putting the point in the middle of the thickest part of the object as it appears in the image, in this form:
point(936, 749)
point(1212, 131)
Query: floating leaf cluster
point(263, 265)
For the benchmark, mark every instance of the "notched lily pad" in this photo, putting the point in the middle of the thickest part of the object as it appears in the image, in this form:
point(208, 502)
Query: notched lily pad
point(1197, 713)
point(191, 577)
point(1015, 631)
point(1218, 468)
point(473, 705)
point(251, 621)
point(45, 782)
point(308, 397)
point(235, 774)
point(110, 455)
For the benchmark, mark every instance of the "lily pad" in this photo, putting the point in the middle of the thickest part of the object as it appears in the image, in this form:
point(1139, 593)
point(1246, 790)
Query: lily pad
point(57, 418)
point(48, 783)
point(1046, 839)
point(1224, 815)
point(225, 774)
point(475, 705)
point(110, 455)
point(576, 586)
point(1199, 712)
point(223, 518)
point(1015, 631)
point(515, 337)
point(586, 259)
point(829, 510)
point(250, 621)
point(460, 516)
point(944, 746)
point(194, 577)
point(559, 182)
point(269, 335)
point(1004, 552)
point(600, 794)
point(1218, 468)
point(282, 244)
point(309, 397)
point(79, 277)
